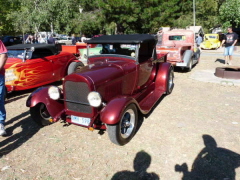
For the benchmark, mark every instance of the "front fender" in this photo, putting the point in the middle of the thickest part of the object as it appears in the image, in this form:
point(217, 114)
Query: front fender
point(41, 96)
point(112, 113)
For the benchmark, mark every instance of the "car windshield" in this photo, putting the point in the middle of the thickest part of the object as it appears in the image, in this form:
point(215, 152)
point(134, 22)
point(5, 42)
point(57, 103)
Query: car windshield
point(177, 38)
point(212, 37)
point(120, 49)
point(12, 53)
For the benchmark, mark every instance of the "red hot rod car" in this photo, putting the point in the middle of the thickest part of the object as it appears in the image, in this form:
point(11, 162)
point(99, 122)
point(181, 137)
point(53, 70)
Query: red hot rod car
point(33, 65)
point(118, 85)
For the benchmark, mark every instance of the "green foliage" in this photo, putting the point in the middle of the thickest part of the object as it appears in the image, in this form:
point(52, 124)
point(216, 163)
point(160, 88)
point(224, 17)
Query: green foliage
point(113, 16)
point(230, 13)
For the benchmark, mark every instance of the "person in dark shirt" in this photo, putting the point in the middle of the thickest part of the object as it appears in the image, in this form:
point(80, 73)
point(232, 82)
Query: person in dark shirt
point(74, 39)
point(230, 41)
point(51, 40)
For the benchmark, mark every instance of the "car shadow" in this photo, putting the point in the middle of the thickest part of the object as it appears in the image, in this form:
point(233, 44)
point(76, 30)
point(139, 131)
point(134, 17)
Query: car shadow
point(220, 60)
point(212, 162)
point(16, 95)
point(182, 70)
point(14, 140)
point(141, 163)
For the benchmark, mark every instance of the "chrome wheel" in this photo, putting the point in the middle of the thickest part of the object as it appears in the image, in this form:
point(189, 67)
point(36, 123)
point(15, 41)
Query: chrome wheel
point(122, 132)
point(40, 114)
point(127, 123)
point(44, 112)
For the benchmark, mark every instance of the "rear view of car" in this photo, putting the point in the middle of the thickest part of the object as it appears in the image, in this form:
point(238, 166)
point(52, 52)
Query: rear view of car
point(179, 44)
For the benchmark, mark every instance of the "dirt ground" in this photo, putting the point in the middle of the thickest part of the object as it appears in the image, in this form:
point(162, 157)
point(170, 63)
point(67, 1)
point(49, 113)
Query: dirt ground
point(192, 132)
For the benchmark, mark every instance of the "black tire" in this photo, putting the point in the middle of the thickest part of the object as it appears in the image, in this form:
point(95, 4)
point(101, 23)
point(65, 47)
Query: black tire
point(40, 115)
point(170, 82)
point(74, 67)
point(123, 132)
point(197, 55)
point(189, 68)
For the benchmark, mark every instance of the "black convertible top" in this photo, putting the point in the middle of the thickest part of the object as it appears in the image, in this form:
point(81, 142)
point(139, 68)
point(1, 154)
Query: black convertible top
point(128, 39)
point(51, 47)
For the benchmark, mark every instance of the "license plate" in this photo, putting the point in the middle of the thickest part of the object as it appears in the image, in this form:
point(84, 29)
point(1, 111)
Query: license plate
point(80, 120)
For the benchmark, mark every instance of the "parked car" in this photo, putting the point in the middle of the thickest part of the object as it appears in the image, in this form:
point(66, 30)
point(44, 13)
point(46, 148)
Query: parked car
point(91, 51)
point(210, 41)
point(75, 49)
point(179, 44)
point(112, 91)
point(11, 40)
point(32, 65)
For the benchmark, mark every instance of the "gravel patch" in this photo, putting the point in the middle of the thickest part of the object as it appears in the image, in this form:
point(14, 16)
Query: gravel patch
point(192, 132)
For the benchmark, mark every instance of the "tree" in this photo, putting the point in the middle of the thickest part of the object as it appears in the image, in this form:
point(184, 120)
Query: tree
point(207, 14)
point(230, 13)
point(6, 7)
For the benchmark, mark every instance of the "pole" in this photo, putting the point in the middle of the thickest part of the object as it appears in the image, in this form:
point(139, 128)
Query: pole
point(194, 22)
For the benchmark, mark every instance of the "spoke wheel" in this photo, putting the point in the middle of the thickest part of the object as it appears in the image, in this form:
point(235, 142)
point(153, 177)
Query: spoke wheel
point(123, 132)
point(40, 114)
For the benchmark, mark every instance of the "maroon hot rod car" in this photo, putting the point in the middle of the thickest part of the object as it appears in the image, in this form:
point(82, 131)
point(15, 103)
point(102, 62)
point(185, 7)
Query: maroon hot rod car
point(118, 85)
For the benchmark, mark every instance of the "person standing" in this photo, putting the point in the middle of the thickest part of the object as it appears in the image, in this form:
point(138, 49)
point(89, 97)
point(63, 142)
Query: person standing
point(3, 59)
point(230, 41)
point(198, 40)
point(51, 40)
point(83, 38)
point(74, 39)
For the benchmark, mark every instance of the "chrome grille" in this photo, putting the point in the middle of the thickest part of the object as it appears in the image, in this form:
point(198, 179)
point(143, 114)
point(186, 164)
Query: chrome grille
point(76, 97)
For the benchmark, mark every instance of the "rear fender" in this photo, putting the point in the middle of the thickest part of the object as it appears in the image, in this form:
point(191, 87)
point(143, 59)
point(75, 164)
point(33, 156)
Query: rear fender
point(162, 76)
point(111, 114)
point(41, 96)
point(187, 56)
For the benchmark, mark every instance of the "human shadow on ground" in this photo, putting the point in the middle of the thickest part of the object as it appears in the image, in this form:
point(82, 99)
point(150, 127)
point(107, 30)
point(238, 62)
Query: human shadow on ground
point(220, 60)
point(13, 141)
point(212, 163)
point(141, 162)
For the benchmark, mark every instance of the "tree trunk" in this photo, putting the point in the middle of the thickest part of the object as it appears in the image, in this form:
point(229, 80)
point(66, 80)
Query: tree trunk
point(51, 25)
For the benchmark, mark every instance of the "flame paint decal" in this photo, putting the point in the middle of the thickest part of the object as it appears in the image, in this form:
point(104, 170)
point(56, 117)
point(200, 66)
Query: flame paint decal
point(22, 76)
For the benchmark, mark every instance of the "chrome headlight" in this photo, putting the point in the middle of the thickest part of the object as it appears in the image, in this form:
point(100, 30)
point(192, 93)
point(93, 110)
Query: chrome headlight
point(54, 92)
point(94, 99)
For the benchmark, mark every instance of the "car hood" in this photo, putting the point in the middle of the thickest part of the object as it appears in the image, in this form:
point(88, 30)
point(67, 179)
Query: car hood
point(100, 72)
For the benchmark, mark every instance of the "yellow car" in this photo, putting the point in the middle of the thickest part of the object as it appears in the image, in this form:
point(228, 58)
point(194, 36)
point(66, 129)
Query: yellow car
point(210, 41)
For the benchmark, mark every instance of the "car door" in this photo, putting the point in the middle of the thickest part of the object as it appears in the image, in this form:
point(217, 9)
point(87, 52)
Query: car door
point(39, 69)
point(145, 65)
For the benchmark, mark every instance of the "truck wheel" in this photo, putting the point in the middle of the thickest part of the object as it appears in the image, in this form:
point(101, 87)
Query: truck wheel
point(123, 132)
point(40, 115)
point(74, 67)
point(197, 55)
point(189, 68)
point(170, 83)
